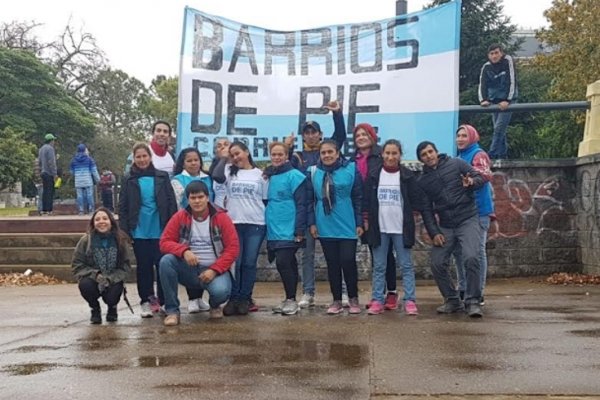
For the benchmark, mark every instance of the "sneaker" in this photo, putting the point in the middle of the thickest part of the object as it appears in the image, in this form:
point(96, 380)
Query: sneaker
point(306, 301)
point(171, 320)
point(96, 317)
point(345, 300)
point(242, 307)
point(410, 307)
point(450, 307)
point(111, 315)
point(474, 310)
point(252, 306)
point(391, 301)
point(278, 308)
point(335, 308)
point(375, 307)
point(289, 307)
point(369, 304)
point(215, 313)
point(354, 306)
point(154, 304)
point(146, 310)
point(193, 306)
point(230, 308)
point(482, 301)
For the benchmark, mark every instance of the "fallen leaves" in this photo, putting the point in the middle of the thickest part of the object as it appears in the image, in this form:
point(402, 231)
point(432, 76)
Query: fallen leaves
point(563, 278)
point(35, 279)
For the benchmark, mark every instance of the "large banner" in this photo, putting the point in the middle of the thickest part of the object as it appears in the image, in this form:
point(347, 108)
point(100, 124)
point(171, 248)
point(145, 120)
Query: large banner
point(258, 85)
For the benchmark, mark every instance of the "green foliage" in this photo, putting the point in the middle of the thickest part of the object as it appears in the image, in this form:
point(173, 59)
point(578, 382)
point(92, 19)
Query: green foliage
point(162, 105)
point(16, 158)
point(33, 102)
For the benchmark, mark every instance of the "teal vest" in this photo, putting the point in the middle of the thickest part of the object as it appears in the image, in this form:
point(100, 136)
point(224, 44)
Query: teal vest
point(281, 210)
point(340, 224)
point(186, 179)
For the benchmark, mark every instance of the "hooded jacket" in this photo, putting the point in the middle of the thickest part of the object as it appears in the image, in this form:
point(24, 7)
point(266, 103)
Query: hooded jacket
point(83, 169)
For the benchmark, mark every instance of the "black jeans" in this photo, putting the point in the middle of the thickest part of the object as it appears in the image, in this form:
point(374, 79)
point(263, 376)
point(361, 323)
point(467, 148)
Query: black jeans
point(89, 291)
point(340, 254)
point(107, 199)
point(48, 192)
point(287, 265)
point(147, 254)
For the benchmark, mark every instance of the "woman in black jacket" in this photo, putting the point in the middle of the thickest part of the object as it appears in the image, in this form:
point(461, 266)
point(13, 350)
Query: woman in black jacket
point(390, 195)
point(146, 203)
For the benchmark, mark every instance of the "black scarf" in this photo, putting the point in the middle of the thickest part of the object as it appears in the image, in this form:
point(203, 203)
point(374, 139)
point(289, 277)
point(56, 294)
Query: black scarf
point(104, 252)
point(272, 170)
point(328, 185)
point(138, 173)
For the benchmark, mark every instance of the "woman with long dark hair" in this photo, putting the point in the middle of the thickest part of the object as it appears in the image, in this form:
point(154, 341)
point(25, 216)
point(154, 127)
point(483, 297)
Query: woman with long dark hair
point(101, 264)
point(247, 191)
point(146, 203)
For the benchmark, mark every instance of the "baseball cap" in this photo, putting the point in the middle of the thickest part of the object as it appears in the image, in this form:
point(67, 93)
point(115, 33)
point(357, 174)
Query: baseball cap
point(312, 125)
point(49, 136)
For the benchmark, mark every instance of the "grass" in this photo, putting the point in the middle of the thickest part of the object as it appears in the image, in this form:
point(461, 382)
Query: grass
point(16, 211)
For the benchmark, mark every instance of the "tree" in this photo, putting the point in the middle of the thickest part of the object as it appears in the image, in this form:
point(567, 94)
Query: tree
point(575, 58)
point(482, 24)
point(162, 105)
point(16, 158)
point(33, 102)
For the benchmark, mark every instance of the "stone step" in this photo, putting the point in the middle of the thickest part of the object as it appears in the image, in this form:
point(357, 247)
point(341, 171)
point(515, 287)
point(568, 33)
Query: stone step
point(42, 255)
point(59, 209)
point(45, 224)
point(52, 240)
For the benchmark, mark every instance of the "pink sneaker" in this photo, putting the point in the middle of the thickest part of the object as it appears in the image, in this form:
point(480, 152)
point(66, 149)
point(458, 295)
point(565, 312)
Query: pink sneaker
point(410, 307)
point(335, 308)
point(252, 306)
point(154, 304)
point(391, 301)
point(354, 306)
point(369, 304)
point(375, 308)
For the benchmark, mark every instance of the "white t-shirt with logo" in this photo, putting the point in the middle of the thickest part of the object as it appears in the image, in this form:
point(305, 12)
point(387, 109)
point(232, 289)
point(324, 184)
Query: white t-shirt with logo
point(389, 196)
point(245, 194)
point(201, 244)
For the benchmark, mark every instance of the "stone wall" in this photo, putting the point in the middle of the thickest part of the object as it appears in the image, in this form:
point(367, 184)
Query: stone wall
point(536, 230)
point(588, 216)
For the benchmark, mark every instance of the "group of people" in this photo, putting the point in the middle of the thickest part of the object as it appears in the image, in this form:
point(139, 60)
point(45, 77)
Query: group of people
point(204, 229)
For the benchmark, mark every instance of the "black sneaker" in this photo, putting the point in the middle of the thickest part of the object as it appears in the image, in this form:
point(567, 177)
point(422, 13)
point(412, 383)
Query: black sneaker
point(111, 315)
point(96, 317)
point(451, 307)
point(230, 308)
point(482, 301)
point(242, 307)
point(474, 310)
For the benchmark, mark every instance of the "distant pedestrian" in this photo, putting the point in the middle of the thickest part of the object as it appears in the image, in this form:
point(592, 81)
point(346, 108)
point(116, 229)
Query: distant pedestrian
point(498, 85)
point(85, 174)
point(101, 264)
point(107, 184)
point(47, 164)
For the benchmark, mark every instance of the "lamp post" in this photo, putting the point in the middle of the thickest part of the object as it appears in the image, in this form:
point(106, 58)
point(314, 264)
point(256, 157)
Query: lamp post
point(401, 7)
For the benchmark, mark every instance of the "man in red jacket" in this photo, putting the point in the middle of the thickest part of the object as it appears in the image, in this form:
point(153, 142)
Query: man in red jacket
point(200, 245)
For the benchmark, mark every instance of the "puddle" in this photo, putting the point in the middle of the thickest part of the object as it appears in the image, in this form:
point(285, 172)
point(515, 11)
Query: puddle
point(583, 318)
point(29, 369)
point(558, 310)
point(471, 366)
point(101, 339)
point(31, 349)
point(101, 367)
point(593, 333)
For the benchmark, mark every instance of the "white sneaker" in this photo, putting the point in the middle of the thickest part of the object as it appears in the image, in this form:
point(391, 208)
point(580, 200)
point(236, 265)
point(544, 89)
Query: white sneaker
point(146, 310)
point(306, 301)
point(197, 305)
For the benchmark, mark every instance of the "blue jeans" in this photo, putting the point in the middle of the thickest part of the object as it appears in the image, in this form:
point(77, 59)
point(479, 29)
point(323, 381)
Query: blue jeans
point(308, 265)
point(404, 259)
point(499, 146)
point(250, 237)
point(85, 196)
point(174, 270)
point(484, 224)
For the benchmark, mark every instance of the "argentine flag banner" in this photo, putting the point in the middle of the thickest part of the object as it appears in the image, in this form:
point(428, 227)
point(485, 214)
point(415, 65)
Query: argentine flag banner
point(257, 85)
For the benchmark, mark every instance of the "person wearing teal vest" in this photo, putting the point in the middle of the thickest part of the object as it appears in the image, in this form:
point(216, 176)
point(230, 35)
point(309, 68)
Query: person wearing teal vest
point(286, 221)
point(188, 168)
point(337, 221)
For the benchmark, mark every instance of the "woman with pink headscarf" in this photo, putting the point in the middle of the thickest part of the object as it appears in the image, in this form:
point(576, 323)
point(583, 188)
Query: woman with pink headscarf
point(467, 142)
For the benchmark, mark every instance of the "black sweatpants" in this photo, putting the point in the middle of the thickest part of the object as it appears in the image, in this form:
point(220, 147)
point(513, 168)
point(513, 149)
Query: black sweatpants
point(340, 254)
point(287, 265)
point(89, 291)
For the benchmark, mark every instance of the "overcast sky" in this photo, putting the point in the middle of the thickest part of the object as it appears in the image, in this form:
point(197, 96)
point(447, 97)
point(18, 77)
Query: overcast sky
point(143, 37)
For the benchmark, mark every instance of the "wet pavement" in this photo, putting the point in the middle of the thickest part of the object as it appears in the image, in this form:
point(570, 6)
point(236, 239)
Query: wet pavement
point(535, 340)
